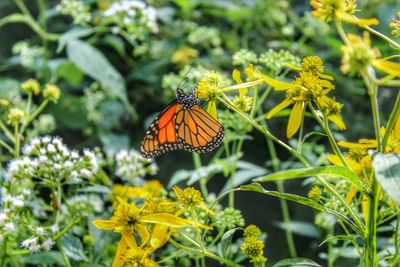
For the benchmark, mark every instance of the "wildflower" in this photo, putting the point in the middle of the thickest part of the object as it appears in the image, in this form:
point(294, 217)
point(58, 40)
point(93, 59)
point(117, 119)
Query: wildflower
point(252, 247)
point(259, 261)
point(253, 74)
point(138, 257)
point(4, 102)
point(395, 25)
point(342, 10)
point(184, 54)
point(15, 116)
point(314, 193)
point(189, 198)
point(244, 57)
point(209, 88)
point(9, 227)
point(40, 231)
point(311, 87)
point(128, 218)
point(48, 244)
point(76, 9)
point(31, 244)
point(51, 92)
point(54, 228)
point(230, 218)
point(131, 166)
point(206, 36)
point(358, 55)
point(276, 60)
point(243, 102)
point(28, 55)
point(31, 86)
point(251, 231)
point(153, 188)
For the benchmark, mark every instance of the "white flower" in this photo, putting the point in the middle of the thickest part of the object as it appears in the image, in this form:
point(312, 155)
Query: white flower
point(18, 202)
point(3, 217)
point(40, 231)
point(26, 192)
point(85, 173)
point(48, 244)
point(68, 164)
point(54, 228)
point(9, 227)
point(34, 248)
point(51, 148)
point(73, 175)
point(46, 139)
point(114, 29)
point(27, 149)
point(74, 155)
point(43, 159)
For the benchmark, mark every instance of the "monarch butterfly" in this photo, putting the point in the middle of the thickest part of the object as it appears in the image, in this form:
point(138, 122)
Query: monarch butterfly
point(182, 125)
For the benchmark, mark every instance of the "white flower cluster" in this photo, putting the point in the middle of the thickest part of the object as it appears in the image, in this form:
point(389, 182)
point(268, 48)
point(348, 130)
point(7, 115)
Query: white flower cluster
point(130, 165)
point(76, 9)
point(83, 205)
point(134, 16)
point(33, 244)
point(48, 158)
point(28, 55)
point(206, 36)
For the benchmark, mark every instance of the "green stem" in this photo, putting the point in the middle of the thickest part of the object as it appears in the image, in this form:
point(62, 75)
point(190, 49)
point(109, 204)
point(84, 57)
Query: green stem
point(65, 258)
point(66, 229)
point(331, 257)
point(205, 253)
point(382, 36)
point(325, 125)
point(4, 252)
point(7, 132)
point(391, 122)
point(203, 179)
point(7, 146)
point(34, 115)
point(17, 141)
point(300, 142)
point(370, 252)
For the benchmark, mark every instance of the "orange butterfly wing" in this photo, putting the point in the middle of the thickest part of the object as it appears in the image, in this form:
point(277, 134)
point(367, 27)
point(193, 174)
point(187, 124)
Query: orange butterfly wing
point(161, 135)
point(177, 127)
point(197, 130)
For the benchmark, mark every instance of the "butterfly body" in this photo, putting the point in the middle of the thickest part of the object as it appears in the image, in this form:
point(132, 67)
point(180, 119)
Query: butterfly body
point(182, 125)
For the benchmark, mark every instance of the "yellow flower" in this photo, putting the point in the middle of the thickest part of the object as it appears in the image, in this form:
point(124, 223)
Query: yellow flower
point(150, 189)
point(128, 219)
point(253, 74)
point(129, 254)
point(31, 86)
point(15, 116)
point(184, 54)
point(243, 102)
point(358, 55)
point(189, 198)
point(342, 10)
point(4, 102)
point(209, 88)
point(51, 92)
point(311, 86)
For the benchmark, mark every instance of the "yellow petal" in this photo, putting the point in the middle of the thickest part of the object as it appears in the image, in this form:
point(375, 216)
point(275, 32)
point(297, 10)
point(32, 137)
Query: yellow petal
point(212, 109)
point(396, 128)
point(236, 76)
point(242, 85)
point(356, 145)
point(334, 159)
point(354, 20)
point(364, 206)
point(129, 239)
point(164, 219)
point(389, 67)
point(143, 233)
point(277, 85)
point(336, 119)
point(284, 104)
point(159, 236)
point(104, 224)
point(119, 259)
point(295, 119)
point(351, 194)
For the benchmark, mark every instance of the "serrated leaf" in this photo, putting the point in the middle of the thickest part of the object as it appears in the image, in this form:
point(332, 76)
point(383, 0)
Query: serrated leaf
point(331, 171)
point(387, 172)
point(73, 247)
point(226, 241)
point(297, 262)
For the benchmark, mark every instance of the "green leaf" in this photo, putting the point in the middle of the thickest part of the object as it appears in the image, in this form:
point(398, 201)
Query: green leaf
point(94, 64)
point(387, 172)
point(332, 171)
point(73, 247)
point(72, 34)
point(255, 187)
point(68, 71)
point(300, 228)
point(95, 189)
point(9, 88)
point(52, 258)
point(226, 241)
point(297, 262)
point(338, 237)
point(179, 176)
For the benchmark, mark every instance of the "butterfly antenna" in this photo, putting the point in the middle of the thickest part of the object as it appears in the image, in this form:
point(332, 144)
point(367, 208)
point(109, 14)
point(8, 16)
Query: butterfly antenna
point(185, 77)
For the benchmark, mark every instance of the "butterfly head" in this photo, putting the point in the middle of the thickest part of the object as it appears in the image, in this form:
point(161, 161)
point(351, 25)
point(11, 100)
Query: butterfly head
point(187, 100)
